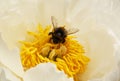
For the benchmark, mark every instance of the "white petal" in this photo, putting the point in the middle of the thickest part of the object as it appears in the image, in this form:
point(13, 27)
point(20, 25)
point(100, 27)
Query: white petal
point(6, 75)
point(16, 17)
point(85, 13)
point(112, 76)
point(45, 72)
point(100, 47)
point(53, 8)
point(10, 58)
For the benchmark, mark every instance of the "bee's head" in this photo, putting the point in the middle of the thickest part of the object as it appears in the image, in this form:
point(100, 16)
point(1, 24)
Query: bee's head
point(60, 32)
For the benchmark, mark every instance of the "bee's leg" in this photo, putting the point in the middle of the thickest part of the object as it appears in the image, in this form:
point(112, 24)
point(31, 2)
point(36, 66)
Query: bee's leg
point(63, 40)
point(50, 33)
point(55, 58)
point(51, 40)
point(48, 53)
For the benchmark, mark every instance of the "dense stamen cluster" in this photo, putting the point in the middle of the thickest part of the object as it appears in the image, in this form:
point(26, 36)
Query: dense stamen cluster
point(68, 56)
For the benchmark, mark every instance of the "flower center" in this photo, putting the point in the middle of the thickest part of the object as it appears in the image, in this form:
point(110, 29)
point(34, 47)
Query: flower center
point(68, 56)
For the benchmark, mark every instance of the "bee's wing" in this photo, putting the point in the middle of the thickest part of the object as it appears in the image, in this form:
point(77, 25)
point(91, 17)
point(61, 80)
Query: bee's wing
point(72, 30)
point(54, 22)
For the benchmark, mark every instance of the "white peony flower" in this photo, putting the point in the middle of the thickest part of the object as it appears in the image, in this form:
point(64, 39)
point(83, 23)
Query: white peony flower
point(94, 18)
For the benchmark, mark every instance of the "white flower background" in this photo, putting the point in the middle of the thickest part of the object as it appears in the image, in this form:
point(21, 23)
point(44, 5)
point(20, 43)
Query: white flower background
point(97, 20)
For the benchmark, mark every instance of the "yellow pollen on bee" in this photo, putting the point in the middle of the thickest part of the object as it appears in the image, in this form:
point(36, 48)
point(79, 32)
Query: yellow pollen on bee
point(69, 56)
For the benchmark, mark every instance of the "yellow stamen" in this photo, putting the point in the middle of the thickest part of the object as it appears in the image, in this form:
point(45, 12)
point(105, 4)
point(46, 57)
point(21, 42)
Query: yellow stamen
point(68, 56)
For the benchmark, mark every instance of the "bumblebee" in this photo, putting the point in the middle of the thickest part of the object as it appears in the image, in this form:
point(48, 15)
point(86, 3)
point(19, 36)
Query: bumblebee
point(59, 33)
